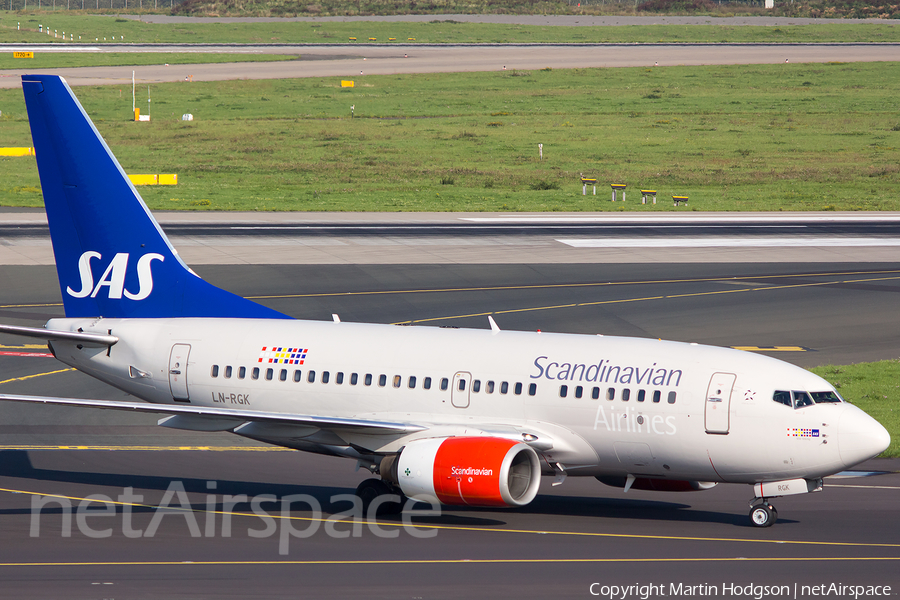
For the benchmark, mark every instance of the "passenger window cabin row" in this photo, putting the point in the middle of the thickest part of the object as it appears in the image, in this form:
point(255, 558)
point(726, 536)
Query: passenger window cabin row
point(491, 386)
point(412, 382)
point(611, 393)
point(368, 379)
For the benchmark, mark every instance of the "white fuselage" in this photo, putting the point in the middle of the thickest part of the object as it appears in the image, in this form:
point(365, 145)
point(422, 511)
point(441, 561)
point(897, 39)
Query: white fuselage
point(594, 405)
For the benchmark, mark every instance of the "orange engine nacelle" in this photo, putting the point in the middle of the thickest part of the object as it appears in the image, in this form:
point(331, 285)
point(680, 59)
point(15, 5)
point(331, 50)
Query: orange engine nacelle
point(474, 471)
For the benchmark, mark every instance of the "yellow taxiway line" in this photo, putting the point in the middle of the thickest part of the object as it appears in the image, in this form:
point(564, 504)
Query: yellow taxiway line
point(574, 285)
point(475, 529)
point(647, 298)
point(26, 377)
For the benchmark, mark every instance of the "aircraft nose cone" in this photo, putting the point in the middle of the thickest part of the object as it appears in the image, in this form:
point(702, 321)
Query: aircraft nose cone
point(860, 437)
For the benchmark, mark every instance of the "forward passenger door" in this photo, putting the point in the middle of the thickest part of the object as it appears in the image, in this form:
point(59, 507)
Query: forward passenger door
point(718, 403)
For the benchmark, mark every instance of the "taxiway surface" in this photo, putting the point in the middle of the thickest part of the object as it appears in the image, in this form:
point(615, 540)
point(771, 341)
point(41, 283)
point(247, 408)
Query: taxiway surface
point(814, 304)
point(351, 61)
point(496, 238)
point(571, 537)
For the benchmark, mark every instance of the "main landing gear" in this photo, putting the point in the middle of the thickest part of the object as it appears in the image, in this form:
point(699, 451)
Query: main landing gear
point(762, 514)
point(386, 499)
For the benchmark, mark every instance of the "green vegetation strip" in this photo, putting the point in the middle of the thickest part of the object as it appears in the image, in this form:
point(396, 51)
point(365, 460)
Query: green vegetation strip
point(19, 27)
point(705, 8)
point(56, 60)
point(875, 388)
point(731, 138)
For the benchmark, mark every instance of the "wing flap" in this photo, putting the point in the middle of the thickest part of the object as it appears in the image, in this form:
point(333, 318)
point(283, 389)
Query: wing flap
point(200, 422)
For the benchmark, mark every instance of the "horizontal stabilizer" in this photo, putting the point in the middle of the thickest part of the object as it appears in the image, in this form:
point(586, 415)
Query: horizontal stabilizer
point(89, 339)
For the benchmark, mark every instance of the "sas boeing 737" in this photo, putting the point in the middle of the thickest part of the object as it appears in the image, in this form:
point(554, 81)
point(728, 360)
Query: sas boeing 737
point(456, 416)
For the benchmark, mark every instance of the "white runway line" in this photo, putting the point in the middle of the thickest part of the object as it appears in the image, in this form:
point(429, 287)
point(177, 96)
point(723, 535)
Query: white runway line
point(683, 218)
point(54, 48)
point(796, 242)
point(444, 227)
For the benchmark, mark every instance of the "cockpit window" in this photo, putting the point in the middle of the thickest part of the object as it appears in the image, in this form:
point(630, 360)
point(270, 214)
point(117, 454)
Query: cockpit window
point(819, 397)
point(802, 399)
point(782, 398)
point(799, 399)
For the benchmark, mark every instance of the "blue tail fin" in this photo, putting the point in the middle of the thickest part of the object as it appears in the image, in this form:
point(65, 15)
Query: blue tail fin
point(112, 258)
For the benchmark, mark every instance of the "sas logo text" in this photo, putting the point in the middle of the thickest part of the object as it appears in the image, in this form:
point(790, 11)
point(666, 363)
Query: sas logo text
point(113, 277)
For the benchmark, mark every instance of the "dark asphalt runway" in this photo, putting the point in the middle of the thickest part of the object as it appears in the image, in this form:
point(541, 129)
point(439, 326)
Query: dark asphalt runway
point(664, 227)
point(572, 536)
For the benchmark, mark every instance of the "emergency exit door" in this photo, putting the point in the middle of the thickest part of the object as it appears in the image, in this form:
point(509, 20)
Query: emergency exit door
point(459, 393)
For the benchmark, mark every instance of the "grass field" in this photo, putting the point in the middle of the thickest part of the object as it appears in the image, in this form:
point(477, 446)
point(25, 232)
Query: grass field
point(20, 27)
point(875, 388)
point(775, 137)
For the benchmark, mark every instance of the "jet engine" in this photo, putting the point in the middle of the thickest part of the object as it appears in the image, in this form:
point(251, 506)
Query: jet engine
point(473, 471)
point(658, 485)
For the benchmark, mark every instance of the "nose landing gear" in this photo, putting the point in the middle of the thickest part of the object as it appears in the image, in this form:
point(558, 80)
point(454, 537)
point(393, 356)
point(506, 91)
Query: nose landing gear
point(762, 513)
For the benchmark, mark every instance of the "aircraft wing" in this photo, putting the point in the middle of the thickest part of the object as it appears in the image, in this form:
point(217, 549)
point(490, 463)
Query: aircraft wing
point(225, 415)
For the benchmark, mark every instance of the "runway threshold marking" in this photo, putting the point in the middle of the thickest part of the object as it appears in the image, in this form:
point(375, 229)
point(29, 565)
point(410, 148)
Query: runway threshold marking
point(441, 561)
point(645, 299)
point(567, 285)
point(332, 519)
point(26, 377)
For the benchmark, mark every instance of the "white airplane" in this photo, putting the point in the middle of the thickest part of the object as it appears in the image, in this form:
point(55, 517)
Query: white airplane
point(457, 416)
